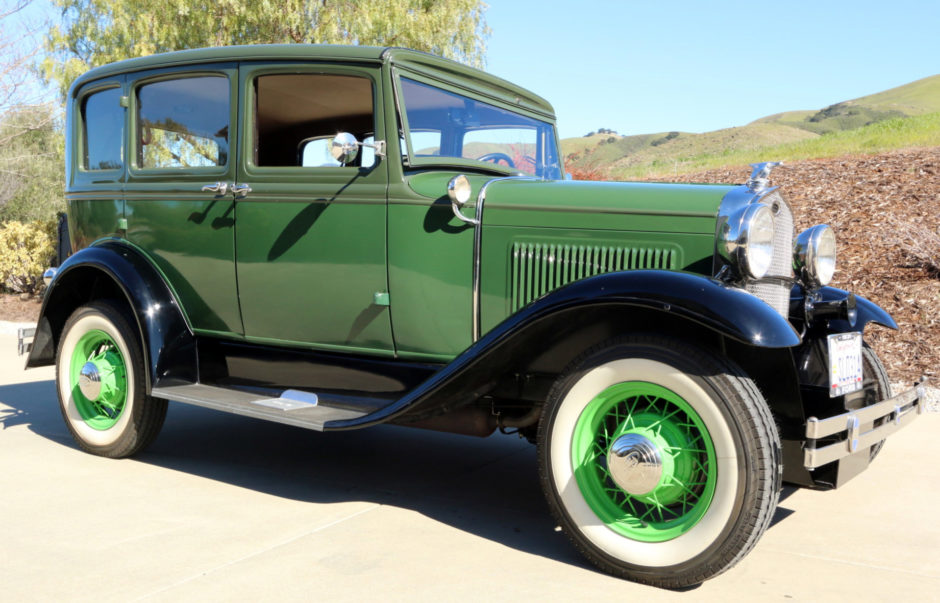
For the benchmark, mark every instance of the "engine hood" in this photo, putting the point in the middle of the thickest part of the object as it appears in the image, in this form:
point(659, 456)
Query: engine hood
point(623, 206)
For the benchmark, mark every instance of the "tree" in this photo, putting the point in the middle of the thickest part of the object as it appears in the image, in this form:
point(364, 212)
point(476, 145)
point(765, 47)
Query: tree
point(32, 184)
point(31, 149)
point(95, 32)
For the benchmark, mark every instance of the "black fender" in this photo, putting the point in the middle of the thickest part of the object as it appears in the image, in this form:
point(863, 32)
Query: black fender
point(728, 311)
point(112, 268)
point(865, 311)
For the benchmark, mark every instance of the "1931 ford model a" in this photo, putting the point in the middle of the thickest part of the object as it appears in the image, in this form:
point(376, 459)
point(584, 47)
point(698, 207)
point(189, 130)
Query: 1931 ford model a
point(673, 350)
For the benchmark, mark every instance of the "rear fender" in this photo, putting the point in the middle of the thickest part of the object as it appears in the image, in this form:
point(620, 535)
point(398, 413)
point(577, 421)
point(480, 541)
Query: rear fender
point(113, 269)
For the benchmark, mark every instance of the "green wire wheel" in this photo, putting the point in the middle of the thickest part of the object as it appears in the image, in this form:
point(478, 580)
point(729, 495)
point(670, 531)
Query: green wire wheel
point(101, 382)
point(685, 461)
point(660, 460)
point(98, 378)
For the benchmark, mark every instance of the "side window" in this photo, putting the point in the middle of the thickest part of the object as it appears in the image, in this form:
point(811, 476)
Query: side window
point(103, 130)
point(183, 123)
point(297, 115)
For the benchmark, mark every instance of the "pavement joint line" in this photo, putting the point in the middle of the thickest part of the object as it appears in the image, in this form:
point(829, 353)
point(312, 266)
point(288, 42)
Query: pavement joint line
point(884, 568)
point(255, 554)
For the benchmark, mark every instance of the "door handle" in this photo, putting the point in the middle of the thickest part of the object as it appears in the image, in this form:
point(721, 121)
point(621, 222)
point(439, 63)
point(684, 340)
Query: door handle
point(218, 188)
point(240, 190)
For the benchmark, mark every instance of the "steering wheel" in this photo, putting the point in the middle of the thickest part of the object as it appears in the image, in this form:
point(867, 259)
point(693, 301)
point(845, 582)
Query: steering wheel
point(496, 158)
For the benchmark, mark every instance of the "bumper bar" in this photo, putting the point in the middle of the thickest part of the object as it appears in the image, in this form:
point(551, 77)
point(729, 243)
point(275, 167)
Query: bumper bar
point(898, 412)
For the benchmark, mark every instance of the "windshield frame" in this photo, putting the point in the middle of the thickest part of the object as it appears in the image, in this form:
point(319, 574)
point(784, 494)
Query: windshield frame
point(410, 159)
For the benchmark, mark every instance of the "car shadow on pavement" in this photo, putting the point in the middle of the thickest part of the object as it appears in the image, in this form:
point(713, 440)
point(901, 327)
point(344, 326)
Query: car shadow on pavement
point(488, 487)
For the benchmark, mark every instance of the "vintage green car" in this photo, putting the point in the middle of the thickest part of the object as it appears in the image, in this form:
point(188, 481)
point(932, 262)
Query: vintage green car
point(341, 237)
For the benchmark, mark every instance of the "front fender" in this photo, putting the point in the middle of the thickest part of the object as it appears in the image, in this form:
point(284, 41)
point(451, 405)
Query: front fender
point(731, 312)
point(865, 311)
point(112, 268)
point(728, 310)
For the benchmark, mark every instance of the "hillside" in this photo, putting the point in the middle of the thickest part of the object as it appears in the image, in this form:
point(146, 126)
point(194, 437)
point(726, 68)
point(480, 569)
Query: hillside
point(898, 133)
point(884, 211)
point(852, 126)
point(916, 98)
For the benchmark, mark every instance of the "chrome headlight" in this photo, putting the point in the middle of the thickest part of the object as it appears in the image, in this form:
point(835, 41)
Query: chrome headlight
point(814, 255)
point(749, 240)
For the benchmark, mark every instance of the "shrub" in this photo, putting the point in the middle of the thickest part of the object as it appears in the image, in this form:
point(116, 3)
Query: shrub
point(664, 139)
point(26, 250)
point(586, 173)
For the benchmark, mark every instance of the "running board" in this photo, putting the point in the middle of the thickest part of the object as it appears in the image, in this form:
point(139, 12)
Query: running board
point(292, 407)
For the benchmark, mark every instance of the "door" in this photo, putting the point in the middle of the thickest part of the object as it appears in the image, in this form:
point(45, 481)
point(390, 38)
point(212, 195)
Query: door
point(181, 159)
point(310, 232)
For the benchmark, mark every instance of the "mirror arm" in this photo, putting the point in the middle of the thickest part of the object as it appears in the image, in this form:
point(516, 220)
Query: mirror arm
point(378, 145)
point(459, 215)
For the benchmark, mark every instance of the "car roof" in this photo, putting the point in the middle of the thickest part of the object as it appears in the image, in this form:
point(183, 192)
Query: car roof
point(444, 70)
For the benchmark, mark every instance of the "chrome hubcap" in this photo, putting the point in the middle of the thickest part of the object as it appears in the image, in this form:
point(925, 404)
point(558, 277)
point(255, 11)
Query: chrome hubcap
point(635, 464)
point(89, 381)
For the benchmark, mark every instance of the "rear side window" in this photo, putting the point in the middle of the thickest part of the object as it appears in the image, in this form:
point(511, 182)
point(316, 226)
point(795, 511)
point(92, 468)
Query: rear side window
point(103, 123)
point(183, 123)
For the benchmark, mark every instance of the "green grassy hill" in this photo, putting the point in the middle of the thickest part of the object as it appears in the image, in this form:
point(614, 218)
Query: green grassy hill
point(908, 115)
point(898, 133)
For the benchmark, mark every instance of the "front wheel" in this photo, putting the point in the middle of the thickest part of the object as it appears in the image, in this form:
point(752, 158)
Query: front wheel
point(875, 371)
point(660, 461)
point(101, 385)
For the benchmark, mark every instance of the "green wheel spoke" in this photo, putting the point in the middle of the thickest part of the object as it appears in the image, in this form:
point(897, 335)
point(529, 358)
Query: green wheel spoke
point(687, 484)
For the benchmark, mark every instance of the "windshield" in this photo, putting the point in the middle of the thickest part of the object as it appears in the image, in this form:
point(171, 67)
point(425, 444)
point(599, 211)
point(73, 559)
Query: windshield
point(445, 124)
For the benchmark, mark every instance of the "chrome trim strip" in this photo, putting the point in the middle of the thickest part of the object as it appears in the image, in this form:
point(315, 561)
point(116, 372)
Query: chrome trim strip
point(477, 237)
point(899, 411)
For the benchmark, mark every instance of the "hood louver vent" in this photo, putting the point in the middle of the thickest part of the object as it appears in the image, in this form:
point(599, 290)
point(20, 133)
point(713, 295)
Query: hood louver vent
point(538, 268)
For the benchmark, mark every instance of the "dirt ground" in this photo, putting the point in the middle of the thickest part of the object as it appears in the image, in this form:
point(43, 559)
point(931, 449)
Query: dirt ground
point(885, 210)
point(17, 308)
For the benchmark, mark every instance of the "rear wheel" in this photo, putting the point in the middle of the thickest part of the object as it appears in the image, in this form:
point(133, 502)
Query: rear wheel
point(101, 385)
point(660, 461)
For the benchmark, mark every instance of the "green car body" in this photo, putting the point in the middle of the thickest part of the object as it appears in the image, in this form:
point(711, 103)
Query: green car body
point(442, 273)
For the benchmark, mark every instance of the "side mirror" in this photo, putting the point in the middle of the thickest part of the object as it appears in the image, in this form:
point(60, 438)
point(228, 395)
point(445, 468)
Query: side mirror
point(344, 148)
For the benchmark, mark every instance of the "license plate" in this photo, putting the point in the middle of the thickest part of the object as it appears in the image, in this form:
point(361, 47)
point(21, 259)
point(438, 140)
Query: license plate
point(845, 363)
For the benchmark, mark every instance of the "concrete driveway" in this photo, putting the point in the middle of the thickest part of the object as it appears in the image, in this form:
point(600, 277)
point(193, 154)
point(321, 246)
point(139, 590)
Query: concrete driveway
point(230, 508)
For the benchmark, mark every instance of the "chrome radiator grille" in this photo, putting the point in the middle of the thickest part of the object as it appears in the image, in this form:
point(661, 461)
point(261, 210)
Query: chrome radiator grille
point(777, 293)
point(538, 268)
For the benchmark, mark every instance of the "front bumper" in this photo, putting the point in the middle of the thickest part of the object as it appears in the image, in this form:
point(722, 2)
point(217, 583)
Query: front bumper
point(888, 415)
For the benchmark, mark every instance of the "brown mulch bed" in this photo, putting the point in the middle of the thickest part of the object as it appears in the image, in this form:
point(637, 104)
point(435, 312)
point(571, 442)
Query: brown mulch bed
point(18, 308)
point(885, 210)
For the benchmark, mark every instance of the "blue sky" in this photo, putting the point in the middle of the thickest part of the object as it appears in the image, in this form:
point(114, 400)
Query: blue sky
point(641, 67)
